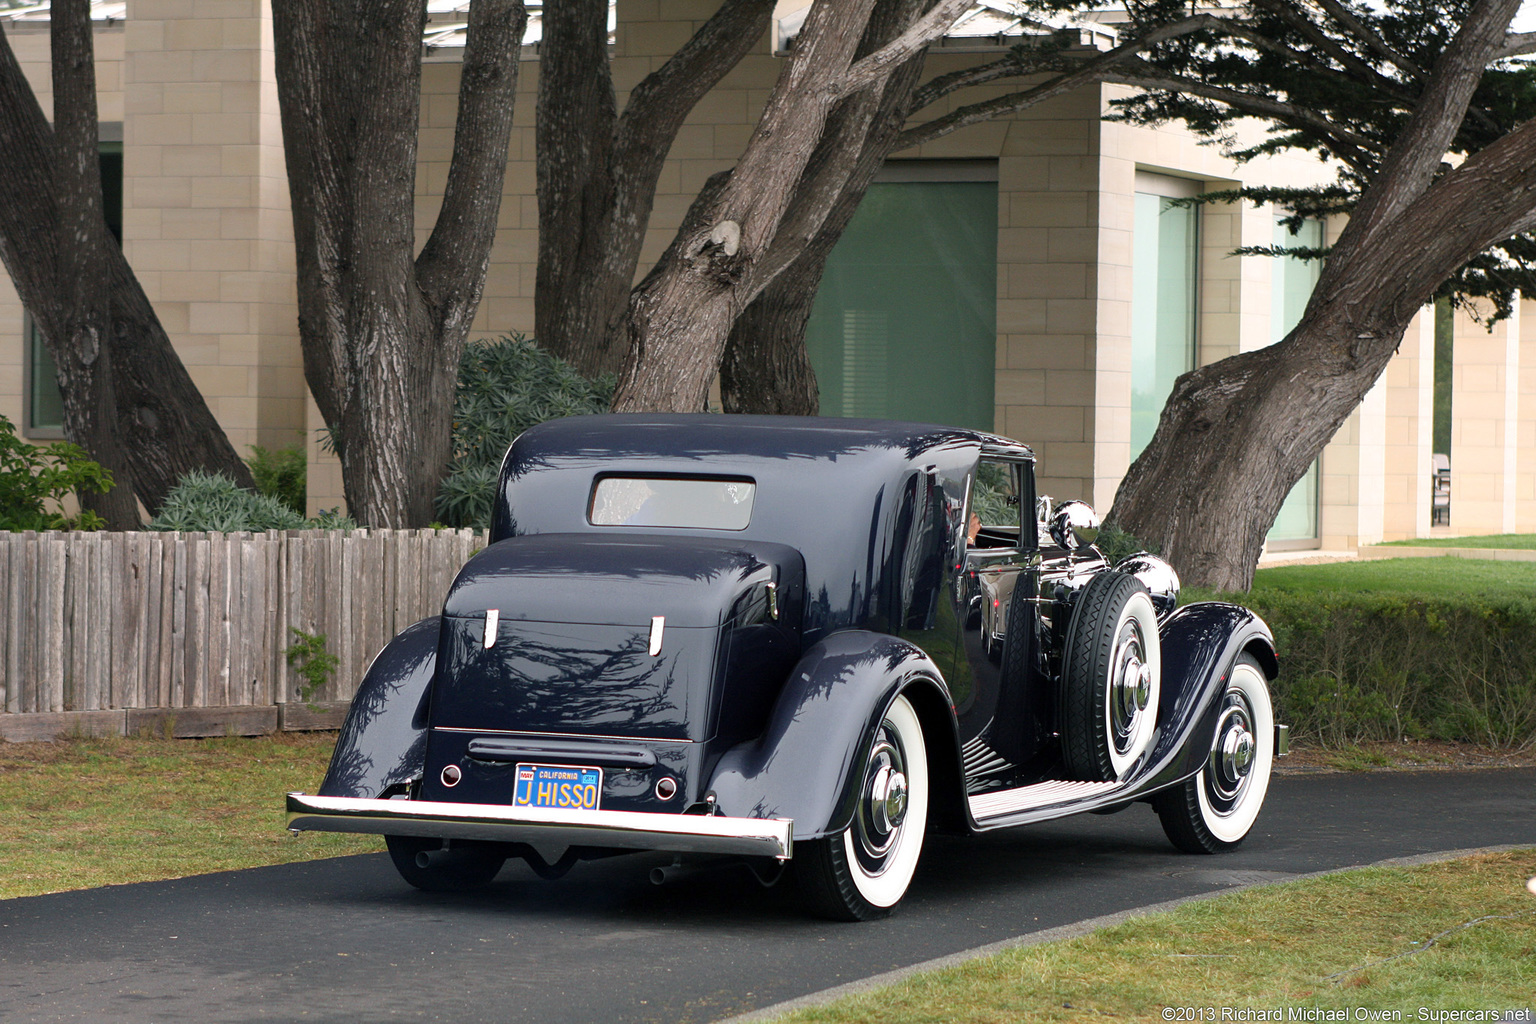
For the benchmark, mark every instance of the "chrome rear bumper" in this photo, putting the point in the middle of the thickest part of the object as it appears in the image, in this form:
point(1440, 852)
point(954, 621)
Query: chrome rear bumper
point(683, 833)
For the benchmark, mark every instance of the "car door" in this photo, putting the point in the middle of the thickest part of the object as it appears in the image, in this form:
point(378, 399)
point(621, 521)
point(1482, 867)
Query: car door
point(1000, 557)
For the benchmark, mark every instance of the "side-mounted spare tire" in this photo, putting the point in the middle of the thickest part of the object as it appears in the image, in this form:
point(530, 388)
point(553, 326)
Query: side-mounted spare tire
point(1111, 678)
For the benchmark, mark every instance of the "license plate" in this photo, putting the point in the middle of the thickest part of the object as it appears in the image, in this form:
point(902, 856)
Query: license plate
point(557, 785)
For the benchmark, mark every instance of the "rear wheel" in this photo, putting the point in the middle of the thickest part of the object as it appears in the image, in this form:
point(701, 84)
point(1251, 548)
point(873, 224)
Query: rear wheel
point(863, 872)
point(436, 866)
point(1214, 810)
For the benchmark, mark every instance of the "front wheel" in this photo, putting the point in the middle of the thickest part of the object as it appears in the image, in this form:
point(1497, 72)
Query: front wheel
point(1215, 809)
point(863, 872)
point(436, 866)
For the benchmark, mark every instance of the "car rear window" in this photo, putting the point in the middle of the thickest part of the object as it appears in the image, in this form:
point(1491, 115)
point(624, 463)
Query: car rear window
point(672, 501)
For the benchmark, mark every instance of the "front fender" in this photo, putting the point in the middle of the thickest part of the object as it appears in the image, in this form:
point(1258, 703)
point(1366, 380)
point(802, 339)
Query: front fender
point(1200, 643)
point(384, 740)
point(806, 764)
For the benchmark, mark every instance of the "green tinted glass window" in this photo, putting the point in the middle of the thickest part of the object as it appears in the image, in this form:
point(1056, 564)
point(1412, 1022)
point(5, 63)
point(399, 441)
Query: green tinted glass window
point(1291, 284)
point(905, 322)
point(1163, 308)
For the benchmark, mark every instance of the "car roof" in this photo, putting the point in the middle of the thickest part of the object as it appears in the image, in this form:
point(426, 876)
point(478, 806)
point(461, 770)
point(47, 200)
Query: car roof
point(706, 438)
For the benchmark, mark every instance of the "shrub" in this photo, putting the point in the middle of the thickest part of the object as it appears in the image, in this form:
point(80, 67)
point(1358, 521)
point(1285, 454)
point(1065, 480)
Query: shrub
point(280, 473)
point(1114, 544)
point(32, 476)
point(505, 386)
point(204, 502)
point(1381, 666)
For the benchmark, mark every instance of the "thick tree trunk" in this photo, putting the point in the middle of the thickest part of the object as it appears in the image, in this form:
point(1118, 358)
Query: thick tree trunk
point(382, 332)
point(597, 169)
point(1236, 435)
point(83, 347)
point(161, 425)
point(765, 368)
point(745, 229)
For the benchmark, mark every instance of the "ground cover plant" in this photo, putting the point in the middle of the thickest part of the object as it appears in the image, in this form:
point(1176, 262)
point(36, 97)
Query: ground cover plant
point(1517, 541)
point(1373, 939)
point(89, 812)
point(203, 502)
point(1411, 648)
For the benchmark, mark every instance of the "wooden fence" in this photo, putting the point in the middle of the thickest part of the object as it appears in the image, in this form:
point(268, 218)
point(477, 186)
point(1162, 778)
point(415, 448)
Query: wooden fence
point(98, 621)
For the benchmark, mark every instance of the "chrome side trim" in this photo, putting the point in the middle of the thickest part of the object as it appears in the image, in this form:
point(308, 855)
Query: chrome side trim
point(631, 830)
point(1028, 798)
point(1282, 740)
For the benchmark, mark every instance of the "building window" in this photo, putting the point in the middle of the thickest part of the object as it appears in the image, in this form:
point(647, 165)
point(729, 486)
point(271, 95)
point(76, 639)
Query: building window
point(905, 322)
point(1292, 281)
point(44, 413)
point(1164, 297)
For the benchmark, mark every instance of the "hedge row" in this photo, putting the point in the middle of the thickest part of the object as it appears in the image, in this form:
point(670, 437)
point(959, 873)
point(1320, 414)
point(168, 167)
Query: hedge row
point(1367, 666)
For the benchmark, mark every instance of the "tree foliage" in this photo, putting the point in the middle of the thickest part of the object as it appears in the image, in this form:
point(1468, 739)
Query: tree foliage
point(1341, 80)
point(505, 386)
point(35, 480)
point(1236, 435)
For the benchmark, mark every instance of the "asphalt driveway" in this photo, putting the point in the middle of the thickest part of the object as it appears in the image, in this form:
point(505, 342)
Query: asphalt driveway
point(346, 940)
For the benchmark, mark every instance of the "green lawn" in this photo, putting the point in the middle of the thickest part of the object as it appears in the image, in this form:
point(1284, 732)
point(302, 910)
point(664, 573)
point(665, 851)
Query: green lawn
point(1442, 576)
point(89, 812)
point(1379, 939)
point(1519, 541)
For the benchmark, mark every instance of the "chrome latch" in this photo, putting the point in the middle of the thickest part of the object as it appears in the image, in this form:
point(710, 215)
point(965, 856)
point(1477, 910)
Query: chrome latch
point(773, 600)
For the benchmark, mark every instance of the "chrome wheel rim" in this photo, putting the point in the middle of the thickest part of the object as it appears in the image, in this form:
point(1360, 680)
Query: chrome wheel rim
point(1230, 766)
point(882, 802)
point(1130, 687)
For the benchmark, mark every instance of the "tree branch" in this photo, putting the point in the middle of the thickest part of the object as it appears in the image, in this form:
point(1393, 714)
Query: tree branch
point(1347, 145)
point(871, 69)
point(1321, 39)
point(1515, 44)
point(1344, 17)
point(1414, 159)
point(1015, 67)
point(451, 267)
point(665, 97)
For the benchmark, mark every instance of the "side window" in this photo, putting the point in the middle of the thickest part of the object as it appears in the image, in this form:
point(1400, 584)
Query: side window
point(995, 506)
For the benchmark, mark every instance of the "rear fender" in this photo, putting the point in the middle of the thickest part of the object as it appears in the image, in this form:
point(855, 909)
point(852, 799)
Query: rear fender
point(805, 765)
point(383, 743)
point(1200, 644)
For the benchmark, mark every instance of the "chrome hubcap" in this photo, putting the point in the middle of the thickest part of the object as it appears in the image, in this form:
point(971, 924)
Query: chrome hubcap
point(1131, 690)
point(1232, 754)
point(883, 803)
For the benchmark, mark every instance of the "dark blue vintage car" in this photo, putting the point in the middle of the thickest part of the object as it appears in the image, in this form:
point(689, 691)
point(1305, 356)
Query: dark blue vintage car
point(801, 642)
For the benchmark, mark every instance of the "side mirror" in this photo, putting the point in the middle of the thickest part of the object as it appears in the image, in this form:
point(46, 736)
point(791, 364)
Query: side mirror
point(1074, 525)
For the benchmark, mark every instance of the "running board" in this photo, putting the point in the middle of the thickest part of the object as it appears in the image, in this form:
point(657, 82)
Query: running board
point(1007, 802)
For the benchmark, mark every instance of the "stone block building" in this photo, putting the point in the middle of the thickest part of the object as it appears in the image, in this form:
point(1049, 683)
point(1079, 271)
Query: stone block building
point(1027, 275)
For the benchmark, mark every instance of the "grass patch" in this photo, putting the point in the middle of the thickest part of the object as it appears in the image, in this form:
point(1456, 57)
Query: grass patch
point(1333, 943)
point(1515, 541)
point(88, 812)
point(1437, 577)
